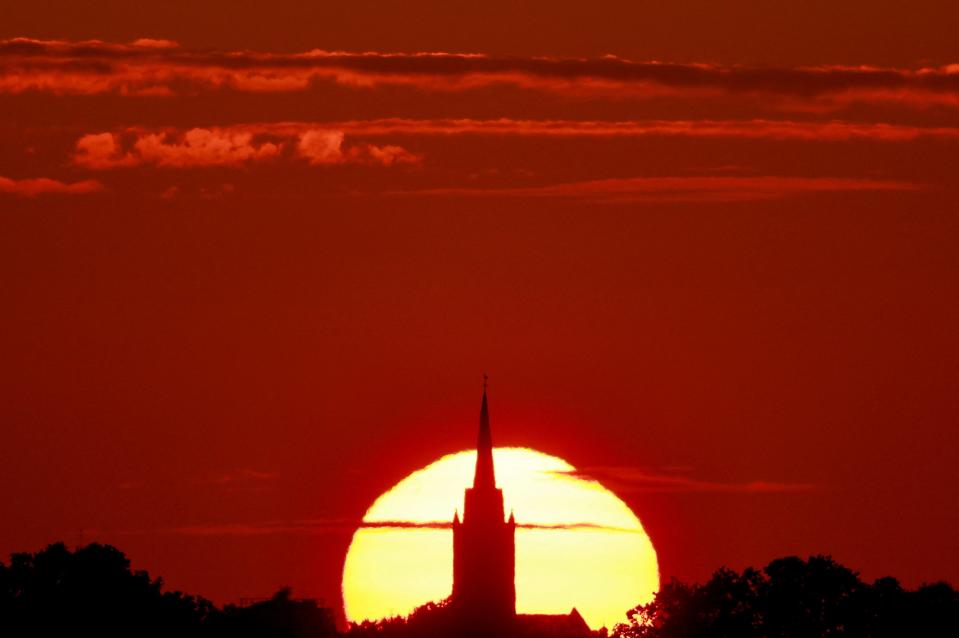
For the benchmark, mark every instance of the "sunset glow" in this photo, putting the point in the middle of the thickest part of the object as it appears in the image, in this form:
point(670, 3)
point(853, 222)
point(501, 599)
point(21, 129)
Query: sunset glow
point(255, 259)
point(603, 563)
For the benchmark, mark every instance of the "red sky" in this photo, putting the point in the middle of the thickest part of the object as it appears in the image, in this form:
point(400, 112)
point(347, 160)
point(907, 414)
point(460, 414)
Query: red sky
point(255, 256)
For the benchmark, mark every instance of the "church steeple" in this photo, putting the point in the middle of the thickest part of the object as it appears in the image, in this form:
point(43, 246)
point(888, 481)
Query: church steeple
point(484, 592)
point(485, 475)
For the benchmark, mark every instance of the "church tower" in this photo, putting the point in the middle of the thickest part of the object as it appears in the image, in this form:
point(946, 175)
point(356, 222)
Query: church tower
point(484, 591)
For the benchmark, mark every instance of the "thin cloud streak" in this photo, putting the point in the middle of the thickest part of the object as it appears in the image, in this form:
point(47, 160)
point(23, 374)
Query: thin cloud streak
point(324, 143)
point(148, 67)
point(637, 480)
point(44, 185)
point(324, 526)
point(677, 189)
point(830, 131)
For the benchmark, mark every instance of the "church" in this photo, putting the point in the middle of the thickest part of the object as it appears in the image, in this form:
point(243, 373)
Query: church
point(483, 600)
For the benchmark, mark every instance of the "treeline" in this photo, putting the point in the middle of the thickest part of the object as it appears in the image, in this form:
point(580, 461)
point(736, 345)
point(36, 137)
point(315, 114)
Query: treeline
point(795, 598)
point(92, 591)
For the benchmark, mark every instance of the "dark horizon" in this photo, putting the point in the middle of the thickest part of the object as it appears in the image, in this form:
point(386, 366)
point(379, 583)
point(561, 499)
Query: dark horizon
point(92, 589)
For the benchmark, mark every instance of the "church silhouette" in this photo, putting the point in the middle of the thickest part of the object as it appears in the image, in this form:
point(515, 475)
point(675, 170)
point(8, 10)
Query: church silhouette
point(483, 601)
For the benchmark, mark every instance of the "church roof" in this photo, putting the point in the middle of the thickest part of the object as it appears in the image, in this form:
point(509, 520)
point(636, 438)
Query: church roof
point(569, 625)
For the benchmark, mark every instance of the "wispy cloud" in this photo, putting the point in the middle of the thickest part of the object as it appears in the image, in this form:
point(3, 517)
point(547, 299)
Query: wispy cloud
point(328, 136)
point(229, 146)
point(147, 67)
point(828, 131)
point(240, 476)
point(44, 185)
point(633, 479)
point(343, 142)
point(678, 189)
point(196, 147)
point(326, 526)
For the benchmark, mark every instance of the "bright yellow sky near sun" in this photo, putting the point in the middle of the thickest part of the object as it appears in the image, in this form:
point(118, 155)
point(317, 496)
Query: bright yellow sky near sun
point(602, 572)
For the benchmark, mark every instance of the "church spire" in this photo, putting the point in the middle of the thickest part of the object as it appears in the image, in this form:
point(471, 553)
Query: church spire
point(484, 548)
point(484, 476)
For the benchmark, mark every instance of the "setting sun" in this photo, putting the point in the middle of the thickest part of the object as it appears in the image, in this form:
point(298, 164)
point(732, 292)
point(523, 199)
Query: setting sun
point(577, 544)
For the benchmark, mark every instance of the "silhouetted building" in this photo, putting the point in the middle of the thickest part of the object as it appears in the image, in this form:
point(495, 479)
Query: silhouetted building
point(570, 625)
point(483, 543)
point(484, 560)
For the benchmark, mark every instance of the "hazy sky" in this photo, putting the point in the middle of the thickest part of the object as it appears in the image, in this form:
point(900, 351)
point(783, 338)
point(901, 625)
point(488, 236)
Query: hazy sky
point(254, 258)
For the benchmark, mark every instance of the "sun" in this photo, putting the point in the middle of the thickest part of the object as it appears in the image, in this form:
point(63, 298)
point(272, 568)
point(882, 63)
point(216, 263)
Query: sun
point(577, 544)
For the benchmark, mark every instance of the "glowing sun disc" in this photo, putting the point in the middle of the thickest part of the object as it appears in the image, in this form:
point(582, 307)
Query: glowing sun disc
point(590, 553)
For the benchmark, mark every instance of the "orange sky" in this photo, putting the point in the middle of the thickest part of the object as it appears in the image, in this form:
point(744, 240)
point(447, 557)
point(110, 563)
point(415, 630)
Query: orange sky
point(255, 257)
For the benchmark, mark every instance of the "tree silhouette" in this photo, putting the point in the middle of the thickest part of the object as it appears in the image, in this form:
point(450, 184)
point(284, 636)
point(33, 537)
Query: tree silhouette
point(279, 617)
point(795, 598)
point(431, 620)
point(93, 592)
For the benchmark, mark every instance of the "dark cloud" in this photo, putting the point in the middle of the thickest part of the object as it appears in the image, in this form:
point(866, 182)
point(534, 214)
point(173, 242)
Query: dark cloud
point(99, 67)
